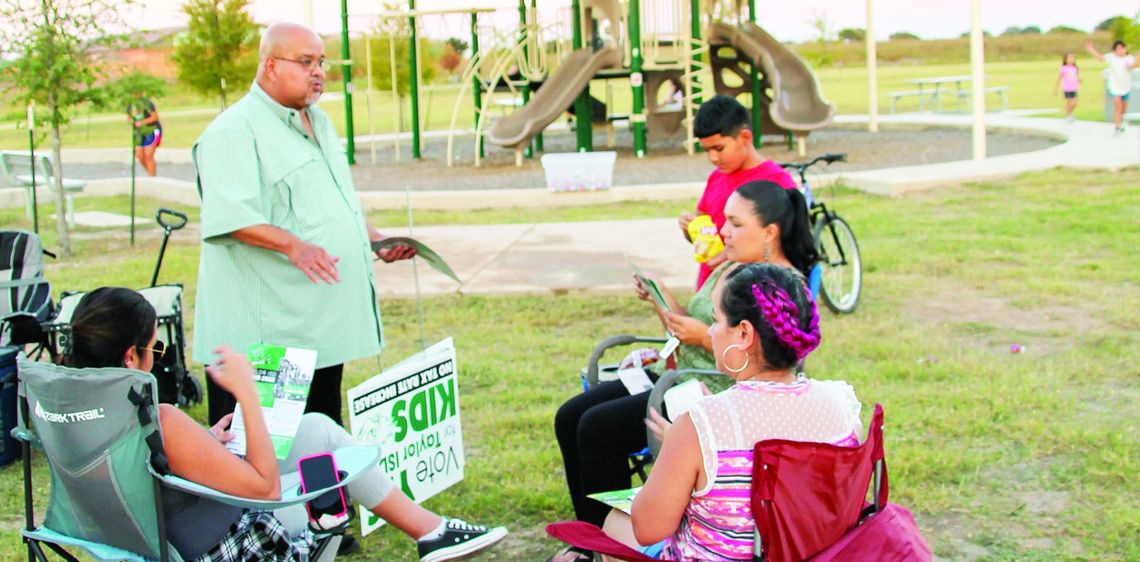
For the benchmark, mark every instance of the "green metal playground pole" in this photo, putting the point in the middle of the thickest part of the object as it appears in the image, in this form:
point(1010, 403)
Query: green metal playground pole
point(585, 136)
point(414, 83)
point(754, 86)
point(477, 86)
point(636, 78)
point(528, 152)
point(538, 137)
point(346, 70)
point(694, 64)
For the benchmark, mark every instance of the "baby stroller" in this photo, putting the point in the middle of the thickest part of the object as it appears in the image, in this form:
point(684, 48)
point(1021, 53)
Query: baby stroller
point(175, 383)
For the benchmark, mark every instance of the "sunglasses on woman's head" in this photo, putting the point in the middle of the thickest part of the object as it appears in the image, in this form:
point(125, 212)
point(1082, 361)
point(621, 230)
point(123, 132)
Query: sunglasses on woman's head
point(159, 349)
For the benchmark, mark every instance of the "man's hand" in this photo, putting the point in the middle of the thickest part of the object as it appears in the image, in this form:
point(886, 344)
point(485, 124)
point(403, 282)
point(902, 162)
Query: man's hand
point(686, 328)
point(314, 262)
point(683, 221)
point(396, 252)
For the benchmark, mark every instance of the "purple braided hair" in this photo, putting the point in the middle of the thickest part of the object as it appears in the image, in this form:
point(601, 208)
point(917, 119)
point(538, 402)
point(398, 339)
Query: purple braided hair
point(781, 312)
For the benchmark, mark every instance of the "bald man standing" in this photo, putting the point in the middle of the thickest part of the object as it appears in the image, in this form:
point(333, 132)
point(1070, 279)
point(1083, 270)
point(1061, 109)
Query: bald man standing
point(286, 255)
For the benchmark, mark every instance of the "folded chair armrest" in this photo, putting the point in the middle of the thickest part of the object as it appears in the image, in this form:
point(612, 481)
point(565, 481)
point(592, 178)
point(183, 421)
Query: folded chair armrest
point(613, 341)
point(351, 460)
point(590, 537)
point(23, 434)
point(657, 398)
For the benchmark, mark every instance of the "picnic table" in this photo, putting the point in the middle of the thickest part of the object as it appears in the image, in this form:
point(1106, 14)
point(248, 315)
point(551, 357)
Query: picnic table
point(930, 90)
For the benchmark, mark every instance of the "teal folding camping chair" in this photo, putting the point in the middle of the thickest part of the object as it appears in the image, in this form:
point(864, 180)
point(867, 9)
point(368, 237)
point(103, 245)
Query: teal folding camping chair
point(99, 430)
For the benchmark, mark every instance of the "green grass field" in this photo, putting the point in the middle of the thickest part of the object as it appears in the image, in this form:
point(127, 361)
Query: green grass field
point(1030, 81)
point(1002, 456)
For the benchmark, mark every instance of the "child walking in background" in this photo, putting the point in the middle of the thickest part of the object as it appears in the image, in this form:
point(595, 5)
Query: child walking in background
point(1069, 81)
point(1120, 65)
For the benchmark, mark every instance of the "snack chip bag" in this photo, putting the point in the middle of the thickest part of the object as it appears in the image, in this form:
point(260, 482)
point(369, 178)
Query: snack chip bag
point(706, 240)
point(641, 358)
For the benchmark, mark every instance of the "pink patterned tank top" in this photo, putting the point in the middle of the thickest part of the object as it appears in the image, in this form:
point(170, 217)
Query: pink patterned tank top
point(717, 524)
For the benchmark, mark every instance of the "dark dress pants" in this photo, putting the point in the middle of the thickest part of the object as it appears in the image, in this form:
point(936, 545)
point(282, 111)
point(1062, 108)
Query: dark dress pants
point(597, 430)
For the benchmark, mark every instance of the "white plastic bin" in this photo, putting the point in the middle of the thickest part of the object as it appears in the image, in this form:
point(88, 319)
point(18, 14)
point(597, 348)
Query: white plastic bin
point(579, 171)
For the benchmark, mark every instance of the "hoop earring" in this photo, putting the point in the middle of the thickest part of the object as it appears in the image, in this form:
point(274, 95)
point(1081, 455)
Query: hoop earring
point(724, 359)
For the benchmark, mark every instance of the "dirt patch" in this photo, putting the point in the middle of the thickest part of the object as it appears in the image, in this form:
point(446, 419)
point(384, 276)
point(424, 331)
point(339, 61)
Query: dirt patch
point(1031, 331)
point(949, 535)
point(524, 544)
point(1039, 502)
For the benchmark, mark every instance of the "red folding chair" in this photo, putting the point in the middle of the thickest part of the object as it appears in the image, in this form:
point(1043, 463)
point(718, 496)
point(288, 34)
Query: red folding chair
point(809, 502)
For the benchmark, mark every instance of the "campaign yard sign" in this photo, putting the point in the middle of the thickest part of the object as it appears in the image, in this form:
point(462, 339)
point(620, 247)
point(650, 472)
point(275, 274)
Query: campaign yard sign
point(411, 412)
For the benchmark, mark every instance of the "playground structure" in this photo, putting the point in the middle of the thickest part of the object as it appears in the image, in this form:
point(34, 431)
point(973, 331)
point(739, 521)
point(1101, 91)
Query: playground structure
point(651, 44)
point(796, 106)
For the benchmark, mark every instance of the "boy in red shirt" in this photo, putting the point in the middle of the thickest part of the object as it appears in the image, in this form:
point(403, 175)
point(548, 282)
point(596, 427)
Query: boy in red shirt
point(724, 129)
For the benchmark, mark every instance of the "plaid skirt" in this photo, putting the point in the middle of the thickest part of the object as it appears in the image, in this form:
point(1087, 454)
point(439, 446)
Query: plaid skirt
point(258, 536)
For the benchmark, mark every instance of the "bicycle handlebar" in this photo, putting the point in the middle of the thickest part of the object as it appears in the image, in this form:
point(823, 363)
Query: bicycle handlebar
point(801, 167)
point(173, 225)
point(827, 158)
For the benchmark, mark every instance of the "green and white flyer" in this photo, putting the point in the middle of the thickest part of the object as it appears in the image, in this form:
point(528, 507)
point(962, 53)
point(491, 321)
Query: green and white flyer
point(411, 412)
point(621, 500)
point(283, 375)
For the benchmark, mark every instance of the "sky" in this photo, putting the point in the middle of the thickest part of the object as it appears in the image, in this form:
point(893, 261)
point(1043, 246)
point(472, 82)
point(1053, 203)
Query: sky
point(788, 21)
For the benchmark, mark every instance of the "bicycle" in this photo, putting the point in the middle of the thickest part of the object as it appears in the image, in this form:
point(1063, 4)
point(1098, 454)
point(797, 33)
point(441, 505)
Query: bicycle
point(841, 272)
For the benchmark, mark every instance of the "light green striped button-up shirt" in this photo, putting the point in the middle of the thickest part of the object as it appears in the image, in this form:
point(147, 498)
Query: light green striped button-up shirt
point(257, 165)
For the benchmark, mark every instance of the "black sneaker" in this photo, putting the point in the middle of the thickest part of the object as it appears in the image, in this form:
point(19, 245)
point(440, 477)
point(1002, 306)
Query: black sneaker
point(459, 539)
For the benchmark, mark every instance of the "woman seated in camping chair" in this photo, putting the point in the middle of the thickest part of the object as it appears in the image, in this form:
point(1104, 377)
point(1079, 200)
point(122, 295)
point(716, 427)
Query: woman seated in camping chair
point(695, 505)
point(115, 327)
point(599, 428)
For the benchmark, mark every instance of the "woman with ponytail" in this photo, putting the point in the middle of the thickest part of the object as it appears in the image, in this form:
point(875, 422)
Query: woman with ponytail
point(695, 505)
point(783, 215)
point(599, 428)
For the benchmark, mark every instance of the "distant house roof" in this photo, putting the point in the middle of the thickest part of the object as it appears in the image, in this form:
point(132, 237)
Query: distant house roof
point(157, 37)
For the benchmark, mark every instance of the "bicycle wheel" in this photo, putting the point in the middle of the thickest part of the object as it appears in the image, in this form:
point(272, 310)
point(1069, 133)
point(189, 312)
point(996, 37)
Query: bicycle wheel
point(842, 278)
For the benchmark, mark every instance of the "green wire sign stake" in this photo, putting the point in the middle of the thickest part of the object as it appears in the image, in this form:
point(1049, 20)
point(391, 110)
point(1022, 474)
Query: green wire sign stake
point(32, 154)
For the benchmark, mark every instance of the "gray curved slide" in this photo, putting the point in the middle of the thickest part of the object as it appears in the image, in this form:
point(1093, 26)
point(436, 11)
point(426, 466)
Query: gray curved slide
point(555, 96)
point(797, 102)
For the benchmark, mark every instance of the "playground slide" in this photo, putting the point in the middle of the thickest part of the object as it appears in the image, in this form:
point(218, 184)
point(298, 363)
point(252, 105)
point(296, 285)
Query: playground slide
point(797, 103)
point(556, 95)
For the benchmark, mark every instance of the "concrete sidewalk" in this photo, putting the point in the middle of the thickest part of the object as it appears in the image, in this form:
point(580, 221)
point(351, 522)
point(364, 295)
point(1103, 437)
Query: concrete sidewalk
point(1088, 145)
point(553, 258)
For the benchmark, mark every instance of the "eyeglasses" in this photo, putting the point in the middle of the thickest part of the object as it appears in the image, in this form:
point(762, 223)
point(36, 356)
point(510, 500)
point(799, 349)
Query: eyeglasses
point(159, 349)
point(309, 63)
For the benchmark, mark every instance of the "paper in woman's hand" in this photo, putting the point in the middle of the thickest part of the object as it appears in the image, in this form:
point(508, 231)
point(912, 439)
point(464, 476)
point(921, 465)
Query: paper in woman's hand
point(650, 287)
